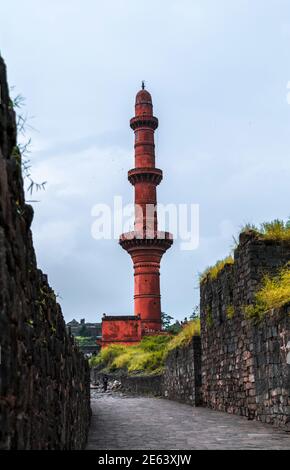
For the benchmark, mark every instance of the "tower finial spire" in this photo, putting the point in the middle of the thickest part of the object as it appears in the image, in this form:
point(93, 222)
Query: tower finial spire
point(143, 84)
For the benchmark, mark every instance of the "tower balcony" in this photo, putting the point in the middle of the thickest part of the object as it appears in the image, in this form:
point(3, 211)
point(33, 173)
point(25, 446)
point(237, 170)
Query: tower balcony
point(151, 175)
point(132, 241)
point(144, 121)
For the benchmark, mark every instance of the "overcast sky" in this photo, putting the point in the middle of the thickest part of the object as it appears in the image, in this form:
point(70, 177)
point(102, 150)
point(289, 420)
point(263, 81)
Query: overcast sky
point(218, 74)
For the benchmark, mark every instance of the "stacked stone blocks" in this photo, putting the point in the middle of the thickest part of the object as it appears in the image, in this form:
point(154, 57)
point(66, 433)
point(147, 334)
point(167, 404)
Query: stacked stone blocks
point(244, 361)
point(44, 379)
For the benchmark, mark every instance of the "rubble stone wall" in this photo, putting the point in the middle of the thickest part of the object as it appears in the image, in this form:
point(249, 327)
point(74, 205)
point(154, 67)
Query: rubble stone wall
point(44, 379)
point(182, 374)
point(244, 362)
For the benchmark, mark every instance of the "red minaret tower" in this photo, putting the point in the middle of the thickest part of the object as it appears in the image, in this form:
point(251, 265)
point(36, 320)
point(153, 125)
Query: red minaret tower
point(146, 245)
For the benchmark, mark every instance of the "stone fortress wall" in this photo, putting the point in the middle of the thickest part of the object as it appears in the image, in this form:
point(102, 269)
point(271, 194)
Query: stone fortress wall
point(44, 379)
point(182, 374)
point(244, 362)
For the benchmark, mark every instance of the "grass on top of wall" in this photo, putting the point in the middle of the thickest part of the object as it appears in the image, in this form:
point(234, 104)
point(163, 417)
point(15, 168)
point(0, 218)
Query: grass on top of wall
point(213, 271)
point(278, 230)
point(146, 357)
point(274, 293)
point(185, 336)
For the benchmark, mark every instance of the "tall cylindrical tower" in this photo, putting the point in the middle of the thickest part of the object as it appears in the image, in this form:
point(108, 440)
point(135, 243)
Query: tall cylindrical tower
point(146, 245)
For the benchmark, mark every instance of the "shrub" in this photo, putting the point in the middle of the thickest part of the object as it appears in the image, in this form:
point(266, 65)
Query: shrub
point(274, 293)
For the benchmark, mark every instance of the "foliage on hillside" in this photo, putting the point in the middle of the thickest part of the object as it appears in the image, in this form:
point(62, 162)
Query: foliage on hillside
point(146, 357)
point(274, 293)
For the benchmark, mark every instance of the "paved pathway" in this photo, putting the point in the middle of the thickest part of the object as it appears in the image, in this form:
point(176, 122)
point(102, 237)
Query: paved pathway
point(142, 423)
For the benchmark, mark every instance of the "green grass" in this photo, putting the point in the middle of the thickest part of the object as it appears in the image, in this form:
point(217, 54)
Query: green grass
point(148, 356)
point(274, 293)
point(185, 336)
point(107, 355)
point(278, 230)
point(213, 271)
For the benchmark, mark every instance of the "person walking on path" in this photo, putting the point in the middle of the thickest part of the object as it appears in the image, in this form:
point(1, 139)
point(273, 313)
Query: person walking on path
point(105, 383)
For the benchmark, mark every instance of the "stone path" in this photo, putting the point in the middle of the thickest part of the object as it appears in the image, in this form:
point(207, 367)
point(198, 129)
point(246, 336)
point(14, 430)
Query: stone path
point(142, 423)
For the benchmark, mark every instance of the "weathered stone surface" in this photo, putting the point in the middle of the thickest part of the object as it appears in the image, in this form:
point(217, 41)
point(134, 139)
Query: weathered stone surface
point(182, 374)
point(127, 423)
point(244, 363)
point(44, 379)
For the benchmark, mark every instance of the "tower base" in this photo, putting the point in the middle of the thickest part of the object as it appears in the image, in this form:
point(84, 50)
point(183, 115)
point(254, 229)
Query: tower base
point(127, 330)
point(121, 330)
